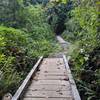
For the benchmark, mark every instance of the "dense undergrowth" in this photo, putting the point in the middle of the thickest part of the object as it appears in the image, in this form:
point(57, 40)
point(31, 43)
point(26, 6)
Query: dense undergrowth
point(24, 36)
point(82, 30)
point(81, 18)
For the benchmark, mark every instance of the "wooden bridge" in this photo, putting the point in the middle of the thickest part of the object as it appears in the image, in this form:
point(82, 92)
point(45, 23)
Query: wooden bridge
point(49, 79)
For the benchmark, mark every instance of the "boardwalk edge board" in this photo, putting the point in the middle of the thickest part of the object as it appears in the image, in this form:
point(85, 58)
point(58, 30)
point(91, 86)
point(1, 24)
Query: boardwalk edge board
point(20, 90)
point(75, 92)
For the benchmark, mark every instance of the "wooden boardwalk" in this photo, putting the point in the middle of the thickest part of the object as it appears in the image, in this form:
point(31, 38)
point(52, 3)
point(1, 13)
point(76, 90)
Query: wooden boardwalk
point(49, 79)
point(52, 81)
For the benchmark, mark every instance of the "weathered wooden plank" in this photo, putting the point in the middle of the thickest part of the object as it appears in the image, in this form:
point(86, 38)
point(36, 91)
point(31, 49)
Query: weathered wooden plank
point(47, 94)
point(56, 72)
point(57, 82)
point(55, 61)
point(52, 67)
point(68, 98)
point(50, 77)
point(51, 82)
point(71, 80)
point(53, 73)
point(49, 87)
point(52, 61)
point(26, 81)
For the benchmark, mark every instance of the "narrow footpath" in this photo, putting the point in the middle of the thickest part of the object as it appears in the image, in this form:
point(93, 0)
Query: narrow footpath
point(49, 79)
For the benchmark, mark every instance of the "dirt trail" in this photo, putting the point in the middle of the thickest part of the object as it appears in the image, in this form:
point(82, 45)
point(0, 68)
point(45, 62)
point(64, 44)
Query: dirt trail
point(64, 47)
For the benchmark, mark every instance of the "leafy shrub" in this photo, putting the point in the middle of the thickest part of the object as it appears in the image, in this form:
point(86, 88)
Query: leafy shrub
point(20, 50)
point(13, 58)
point(21, 47)
point(81, 31)
point(9, 77)
point(36, 23)
point(9, 12)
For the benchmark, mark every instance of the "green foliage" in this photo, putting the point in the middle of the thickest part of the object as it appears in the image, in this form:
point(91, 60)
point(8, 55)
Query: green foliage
point(12, 47)
point(13, 37)
point(36, 23)
point(34, 2)
point(84, 22)
point(81, 31)
point(9, 77)
point(42, 48)
point(8, 12)
point(20, 48)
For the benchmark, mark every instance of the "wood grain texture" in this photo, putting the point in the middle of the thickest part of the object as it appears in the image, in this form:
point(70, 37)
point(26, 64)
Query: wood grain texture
point(75, 92)
point(68, 98)
point(50, 82)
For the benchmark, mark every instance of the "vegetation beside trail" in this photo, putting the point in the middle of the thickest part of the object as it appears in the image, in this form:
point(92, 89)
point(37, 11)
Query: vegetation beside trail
point(27, 30)
point(24, 36)
point(82, 30)
point(78, 21)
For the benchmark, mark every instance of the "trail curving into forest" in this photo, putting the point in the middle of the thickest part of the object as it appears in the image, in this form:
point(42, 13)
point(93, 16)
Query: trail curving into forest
point(49, 79)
